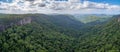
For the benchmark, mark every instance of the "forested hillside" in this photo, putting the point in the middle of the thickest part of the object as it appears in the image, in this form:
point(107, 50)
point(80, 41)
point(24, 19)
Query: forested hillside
point(57, 33)
point(103, 38)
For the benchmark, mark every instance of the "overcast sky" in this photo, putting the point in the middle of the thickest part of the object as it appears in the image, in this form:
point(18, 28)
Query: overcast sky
point(60, 6)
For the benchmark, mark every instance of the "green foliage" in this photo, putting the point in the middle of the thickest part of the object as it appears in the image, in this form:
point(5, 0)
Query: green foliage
point(57, 33)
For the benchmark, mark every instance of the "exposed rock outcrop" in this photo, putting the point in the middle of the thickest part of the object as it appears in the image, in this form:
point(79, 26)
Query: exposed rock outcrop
point(24, 21)
point(2, 27)
point(119, 19)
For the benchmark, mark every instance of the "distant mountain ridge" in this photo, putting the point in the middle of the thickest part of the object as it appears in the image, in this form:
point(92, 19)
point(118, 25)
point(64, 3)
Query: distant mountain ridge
point(66, 21)
point(92, 17)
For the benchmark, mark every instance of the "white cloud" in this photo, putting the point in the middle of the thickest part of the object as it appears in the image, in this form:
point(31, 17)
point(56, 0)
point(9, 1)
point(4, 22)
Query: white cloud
point(51, 6)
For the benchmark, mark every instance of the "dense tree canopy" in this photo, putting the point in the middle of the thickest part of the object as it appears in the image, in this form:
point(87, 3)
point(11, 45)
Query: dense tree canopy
point(57, 33)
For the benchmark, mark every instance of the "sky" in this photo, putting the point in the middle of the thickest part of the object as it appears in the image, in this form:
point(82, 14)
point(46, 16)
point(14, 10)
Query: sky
point(60, 6)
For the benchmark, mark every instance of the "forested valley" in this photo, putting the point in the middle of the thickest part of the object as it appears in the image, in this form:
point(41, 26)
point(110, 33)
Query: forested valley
point(57, 33)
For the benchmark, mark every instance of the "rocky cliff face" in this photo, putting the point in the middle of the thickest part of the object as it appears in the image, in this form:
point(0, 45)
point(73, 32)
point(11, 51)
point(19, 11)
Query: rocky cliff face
point(119, 19)
point(2, 27)
point(23, 21)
